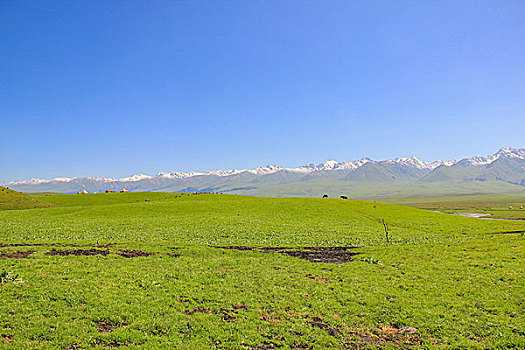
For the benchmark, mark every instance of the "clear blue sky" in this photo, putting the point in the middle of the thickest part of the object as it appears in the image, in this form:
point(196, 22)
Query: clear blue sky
point(109, 88)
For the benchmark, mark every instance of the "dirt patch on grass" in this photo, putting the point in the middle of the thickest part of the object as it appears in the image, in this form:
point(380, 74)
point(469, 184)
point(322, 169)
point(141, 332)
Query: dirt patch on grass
point(503, 232)
point(2, 245)
point(386, 335)
point(125, 253)
point(107, 245)
point(78, 252)
point(113, 344)
point(319, 323)
point(17, 255)
point(239, 306)
point(132, 253)
point(228, 315)
point(199, 310)
point(334, 255)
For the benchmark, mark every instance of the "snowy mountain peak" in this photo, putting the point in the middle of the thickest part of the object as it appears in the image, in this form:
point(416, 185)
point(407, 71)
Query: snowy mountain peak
point(265, 170)
point(440, 162)
point(512, 152)
point(135, 178)
point(330, 165)
point(176, 175)
point(506, 152)
point(63, 179)
point(410, 161)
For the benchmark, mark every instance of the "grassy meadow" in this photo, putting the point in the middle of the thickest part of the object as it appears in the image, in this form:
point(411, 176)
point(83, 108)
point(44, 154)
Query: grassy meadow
point(10, 199)
point(156, 278)
point(496, 206)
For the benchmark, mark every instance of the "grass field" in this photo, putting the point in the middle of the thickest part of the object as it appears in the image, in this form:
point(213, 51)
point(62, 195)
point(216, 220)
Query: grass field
point(502, 206)
point(10, 199)
point(443, 281)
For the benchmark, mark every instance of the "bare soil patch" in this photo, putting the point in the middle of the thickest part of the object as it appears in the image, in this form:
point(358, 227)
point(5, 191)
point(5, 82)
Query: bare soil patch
point(125, 253)
point(334, 255)
point(106, 327)
point(113, 344)
point(78, 252)
point(319, 323)
point(199, 310)
point(107, 245)
point(17, 255)
point(2, 245)
point(132, 253)
point(403, 338)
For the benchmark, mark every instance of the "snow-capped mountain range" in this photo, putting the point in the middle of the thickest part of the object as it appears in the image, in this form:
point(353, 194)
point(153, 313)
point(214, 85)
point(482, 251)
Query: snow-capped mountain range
point(365, 167)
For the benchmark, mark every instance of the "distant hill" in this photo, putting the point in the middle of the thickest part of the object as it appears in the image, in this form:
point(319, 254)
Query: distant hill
point(10, 199)
point(501, 172)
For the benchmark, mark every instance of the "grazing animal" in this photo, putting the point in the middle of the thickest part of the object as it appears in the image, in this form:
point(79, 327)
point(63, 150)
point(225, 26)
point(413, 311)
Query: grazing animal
point(343, 197)
point(82, 192)
point(510, 207)
point(123, 190)
point(110, 191)
point(325, 196)
point(521, 207)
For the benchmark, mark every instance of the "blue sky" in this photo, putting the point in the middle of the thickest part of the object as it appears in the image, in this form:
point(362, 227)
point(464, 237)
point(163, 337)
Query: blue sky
point(98, 88)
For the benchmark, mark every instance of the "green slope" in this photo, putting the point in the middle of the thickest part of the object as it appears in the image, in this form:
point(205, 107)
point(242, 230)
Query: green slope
point(10, 199)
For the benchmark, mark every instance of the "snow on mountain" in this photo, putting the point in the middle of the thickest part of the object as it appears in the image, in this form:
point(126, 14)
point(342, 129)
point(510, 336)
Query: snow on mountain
point(440, 162)
point(176, 175)
point(32, 181)
point(409, 161)
point(63, 179)
point(507, 152)
point(224, 172)
point(96, 178)
point(354, 164)
point(265, 170)
point(135, 178)
point(512, 152)
point(329, 165)
point(478, 160)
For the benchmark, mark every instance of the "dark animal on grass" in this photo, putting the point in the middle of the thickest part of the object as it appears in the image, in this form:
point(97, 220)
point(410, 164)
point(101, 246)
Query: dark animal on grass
point(325, 196)
point(343, 197)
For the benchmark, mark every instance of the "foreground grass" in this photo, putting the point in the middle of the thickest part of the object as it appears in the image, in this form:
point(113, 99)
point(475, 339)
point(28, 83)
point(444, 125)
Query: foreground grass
point(458, 281)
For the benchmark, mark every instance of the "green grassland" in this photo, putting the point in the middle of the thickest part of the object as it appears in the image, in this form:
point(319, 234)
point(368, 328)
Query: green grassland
point(10, 199)
point(356, 189)
point(503, 206)
point(457, 280)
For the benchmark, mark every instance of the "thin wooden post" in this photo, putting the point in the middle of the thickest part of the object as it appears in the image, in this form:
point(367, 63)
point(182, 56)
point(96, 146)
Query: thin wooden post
point(385, 225)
